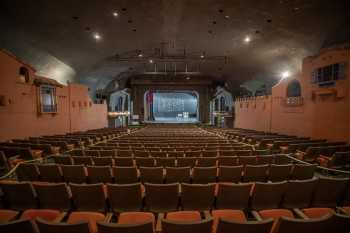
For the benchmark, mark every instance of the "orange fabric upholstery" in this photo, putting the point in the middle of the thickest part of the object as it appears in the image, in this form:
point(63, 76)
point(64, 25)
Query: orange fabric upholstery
point(347, 209)
point(323, 160)
point(8, 182)
point(275, 213)
point(46, 214)
point(91, 217)
point(184, 216)
point(135, 217)
point(40, 182)
point(317, 212)
point(235, 215)
point(7, 215)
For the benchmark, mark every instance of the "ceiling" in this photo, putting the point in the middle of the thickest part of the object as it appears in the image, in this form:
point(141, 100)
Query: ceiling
point(282, 32)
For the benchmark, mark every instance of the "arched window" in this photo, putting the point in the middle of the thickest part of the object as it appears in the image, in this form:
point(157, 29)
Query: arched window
point(119, 106)
point(24, 74)
point(222, 103)
point(216, 105)
point(294, 89)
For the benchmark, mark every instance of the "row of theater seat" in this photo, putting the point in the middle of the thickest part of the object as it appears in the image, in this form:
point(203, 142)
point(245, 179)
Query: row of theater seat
point(107, 174)
point(313, 199)
point(170, 143)
point(222, 221)
point(329, 154)
point(159, 198)
point(173, 161)
point(105, 151)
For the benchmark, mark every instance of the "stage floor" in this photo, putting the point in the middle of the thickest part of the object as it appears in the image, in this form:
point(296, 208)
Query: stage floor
point(173, 120)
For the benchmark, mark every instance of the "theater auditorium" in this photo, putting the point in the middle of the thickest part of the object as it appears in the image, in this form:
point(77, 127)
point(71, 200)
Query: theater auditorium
point(175, 116)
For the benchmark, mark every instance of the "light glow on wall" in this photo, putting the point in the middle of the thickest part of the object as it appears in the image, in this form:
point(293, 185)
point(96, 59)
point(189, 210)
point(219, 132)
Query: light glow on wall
point(285, 74)
point(97, 36)
point(247, 39)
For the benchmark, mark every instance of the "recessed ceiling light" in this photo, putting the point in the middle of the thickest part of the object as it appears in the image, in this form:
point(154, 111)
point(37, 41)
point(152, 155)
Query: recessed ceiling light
point(123, 9)
point(285, 74)
point(227, 16)
point(188, 78)
point(247, 39)
point(115, 14)
point(150, 61)
point(96, 36)
point(140, 55)
point(202, 56)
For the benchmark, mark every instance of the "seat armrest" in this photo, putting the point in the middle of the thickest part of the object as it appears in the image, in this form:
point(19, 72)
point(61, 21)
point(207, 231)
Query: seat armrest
point(14, 157)
point(108, 218)
point(60, 217)
point(300, 213)
point(207, 214)
point(159, 222)
point(341, 210)
point(256, 215)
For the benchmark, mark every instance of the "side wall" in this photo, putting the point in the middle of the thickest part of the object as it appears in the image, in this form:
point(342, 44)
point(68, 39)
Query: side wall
point(321, 112)
point(253, 113)
point(19, 117)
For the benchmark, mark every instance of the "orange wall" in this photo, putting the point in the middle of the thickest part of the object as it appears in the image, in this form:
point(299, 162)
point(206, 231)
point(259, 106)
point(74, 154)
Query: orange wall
point(20, 117)
point(253, 113)
point(324, 113)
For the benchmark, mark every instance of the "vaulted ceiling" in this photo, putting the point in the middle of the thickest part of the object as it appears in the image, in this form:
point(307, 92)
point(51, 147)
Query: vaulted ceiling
point(280, 32)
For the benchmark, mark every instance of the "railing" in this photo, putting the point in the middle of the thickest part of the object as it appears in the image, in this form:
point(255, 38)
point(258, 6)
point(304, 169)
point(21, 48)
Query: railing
point(294, 101)
point(324, 170)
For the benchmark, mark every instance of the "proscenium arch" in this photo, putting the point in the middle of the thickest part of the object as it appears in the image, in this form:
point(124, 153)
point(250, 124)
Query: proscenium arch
point(146, 110)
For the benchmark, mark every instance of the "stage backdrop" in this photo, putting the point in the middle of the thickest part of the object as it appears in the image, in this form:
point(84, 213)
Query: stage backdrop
point(175, 106)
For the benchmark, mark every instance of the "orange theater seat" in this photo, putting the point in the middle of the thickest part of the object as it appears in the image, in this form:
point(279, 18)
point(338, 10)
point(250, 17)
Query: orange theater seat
point(45, 214)
point(7, 215)
point(136, 217)
point(318, 212)
point(91, 217)
point(184, 216)
point(275, 214)
point(235, 215)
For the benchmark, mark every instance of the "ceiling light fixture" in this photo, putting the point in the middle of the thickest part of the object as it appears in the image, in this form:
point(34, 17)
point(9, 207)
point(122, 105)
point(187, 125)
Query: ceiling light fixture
point(227, 16)
point(97, 36)
point(150, 61)
point(285, 74)
point(247, 39)
point(188, 78)
point(115, 14)
point(202, 55)
point(140, 55)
